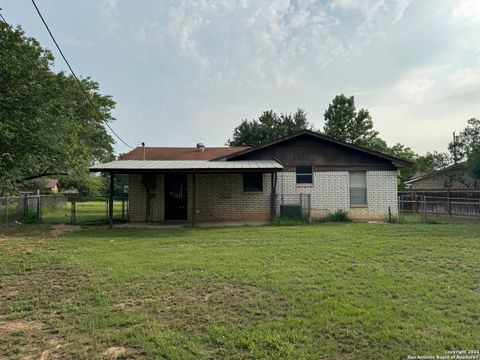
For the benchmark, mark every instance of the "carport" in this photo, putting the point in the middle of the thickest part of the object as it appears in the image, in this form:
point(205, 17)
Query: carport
point(175, 173)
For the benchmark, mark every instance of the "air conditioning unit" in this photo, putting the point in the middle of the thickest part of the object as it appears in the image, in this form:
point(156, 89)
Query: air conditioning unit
point(292, 212)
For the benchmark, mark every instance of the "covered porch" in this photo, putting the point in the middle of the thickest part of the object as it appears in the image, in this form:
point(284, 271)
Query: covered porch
point(195, 192)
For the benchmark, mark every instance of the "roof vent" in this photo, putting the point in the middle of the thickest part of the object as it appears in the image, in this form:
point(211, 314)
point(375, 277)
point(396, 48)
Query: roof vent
point(200, 147)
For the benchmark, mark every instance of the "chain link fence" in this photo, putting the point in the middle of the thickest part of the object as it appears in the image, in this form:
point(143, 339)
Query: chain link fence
point(293, 206)
point(59, 209)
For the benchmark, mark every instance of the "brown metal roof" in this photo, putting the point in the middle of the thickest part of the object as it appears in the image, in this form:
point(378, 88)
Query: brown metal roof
point(181, 153)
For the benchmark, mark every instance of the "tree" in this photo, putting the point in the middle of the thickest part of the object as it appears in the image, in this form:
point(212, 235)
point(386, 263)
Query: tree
point(467, 141)
point(343, 122)
point(473, 164)
point(88, 185)
point(268, 127)
point(433, 161)
point(47, 126)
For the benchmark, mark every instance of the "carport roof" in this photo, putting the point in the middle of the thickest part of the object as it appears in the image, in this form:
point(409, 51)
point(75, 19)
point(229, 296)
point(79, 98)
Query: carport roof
point(128, 166)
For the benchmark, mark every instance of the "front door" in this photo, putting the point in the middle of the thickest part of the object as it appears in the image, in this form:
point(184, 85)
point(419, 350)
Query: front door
point(175, 196)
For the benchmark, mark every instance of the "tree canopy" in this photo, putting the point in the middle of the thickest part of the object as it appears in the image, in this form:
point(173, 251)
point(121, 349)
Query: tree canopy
point(467, 141)
point(47, 125)
point(268, 127)
point(345, 123)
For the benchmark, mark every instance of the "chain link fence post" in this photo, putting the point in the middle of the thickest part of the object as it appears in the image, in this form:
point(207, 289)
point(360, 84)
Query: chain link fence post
point(7, 203)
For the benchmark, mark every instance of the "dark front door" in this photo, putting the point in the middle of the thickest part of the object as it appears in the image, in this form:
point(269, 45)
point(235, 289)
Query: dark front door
point(175, 196)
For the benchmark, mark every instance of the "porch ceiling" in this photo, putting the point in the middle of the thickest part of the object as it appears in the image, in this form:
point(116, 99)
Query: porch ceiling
point(132, 166)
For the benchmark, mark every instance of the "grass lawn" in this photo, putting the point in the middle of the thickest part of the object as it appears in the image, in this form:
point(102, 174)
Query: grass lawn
point(350, 291)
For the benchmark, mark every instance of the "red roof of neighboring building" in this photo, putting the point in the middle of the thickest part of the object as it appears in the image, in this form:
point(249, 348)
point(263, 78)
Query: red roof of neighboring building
point(181, 153)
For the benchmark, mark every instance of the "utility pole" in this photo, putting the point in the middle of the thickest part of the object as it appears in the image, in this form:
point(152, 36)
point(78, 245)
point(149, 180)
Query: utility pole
point(454, 149)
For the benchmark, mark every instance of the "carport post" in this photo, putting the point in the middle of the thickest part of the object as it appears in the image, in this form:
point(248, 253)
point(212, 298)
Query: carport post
point(273, 195)
point(110, 201)
point(194, 210)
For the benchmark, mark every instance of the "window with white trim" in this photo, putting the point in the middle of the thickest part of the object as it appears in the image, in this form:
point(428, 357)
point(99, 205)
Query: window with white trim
point(304, 174)
point(358, 188)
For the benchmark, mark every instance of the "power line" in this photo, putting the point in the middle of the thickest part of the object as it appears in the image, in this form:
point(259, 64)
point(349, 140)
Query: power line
point(75, 75)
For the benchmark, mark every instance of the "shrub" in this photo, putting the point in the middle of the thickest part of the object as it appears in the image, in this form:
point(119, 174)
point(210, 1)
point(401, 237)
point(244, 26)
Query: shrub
point(338, 216)
point(29, 218)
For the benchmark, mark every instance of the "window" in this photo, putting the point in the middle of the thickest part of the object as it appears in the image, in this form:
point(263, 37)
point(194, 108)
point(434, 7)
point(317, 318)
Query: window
point(253, 182)
point(358, 188)
point(304, 174)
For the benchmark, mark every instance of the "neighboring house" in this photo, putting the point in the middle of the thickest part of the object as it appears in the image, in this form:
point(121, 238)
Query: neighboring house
point(53, 185)
point(452, 177)
point(236, 184)
point(42, 185)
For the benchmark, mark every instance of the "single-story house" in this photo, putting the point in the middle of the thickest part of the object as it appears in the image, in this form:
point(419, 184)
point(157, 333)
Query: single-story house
point(53, 185)
point(455, 177)
point(42, 185)
point(202, 184)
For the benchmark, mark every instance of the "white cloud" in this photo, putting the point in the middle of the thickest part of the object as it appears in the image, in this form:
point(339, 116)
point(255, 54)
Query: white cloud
point(467, 76)
point(269, 42)
point(150, 32)
point(109, 10)
point(467, 11)
point(414, 89)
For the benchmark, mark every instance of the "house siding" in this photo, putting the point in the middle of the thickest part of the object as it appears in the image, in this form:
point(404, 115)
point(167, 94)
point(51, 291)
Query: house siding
point(330, 192)
point(220, 197)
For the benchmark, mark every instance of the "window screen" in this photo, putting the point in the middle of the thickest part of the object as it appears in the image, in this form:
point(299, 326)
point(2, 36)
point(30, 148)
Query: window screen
point(304, 174)
point(358, 188)
point(253, 182)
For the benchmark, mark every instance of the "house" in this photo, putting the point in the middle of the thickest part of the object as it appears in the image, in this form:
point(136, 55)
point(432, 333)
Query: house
point(452, 177)
point(307, 169)
point(42, 185)
point(53, 185)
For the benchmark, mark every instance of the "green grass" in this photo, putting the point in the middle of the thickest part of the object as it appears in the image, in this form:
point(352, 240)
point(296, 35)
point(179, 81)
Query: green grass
point(335, 291)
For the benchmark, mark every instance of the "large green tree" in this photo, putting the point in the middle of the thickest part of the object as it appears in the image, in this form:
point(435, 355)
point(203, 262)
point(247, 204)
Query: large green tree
point(47, 125)
point(467, 141)
point(268, 127)
point(474, 164)
point(345, 123)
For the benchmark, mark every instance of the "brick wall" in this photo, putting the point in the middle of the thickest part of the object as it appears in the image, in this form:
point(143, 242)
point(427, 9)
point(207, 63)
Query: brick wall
point(221, 196)
point(330, 191)
point(218, 197)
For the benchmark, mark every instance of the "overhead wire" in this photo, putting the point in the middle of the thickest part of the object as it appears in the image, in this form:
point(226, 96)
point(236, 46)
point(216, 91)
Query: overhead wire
point(85, 92)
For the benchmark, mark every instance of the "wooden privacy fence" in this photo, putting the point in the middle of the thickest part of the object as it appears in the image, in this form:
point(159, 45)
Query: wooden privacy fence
point(442, 202)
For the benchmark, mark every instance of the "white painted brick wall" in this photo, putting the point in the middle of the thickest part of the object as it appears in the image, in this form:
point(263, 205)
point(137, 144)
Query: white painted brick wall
point(221, 196)
point(330, 191)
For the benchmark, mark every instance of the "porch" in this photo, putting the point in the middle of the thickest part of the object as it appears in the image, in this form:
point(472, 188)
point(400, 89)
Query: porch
point(193, 192)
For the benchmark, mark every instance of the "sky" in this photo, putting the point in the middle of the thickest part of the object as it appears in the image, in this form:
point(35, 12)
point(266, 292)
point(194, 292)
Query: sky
point(188, 71)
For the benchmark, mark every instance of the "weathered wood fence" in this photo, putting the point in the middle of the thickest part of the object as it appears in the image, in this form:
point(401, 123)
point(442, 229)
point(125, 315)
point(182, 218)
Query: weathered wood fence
point(442, 202)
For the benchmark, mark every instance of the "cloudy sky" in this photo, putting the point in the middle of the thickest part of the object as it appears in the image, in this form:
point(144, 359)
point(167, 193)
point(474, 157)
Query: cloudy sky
point(185, 71)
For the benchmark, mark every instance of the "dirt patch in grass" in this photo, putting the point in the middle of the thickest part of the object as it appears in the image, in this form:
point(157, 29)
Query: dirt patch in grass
point(61, 229)
point(20, 325)
point(53, 352)
point(114, 352)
